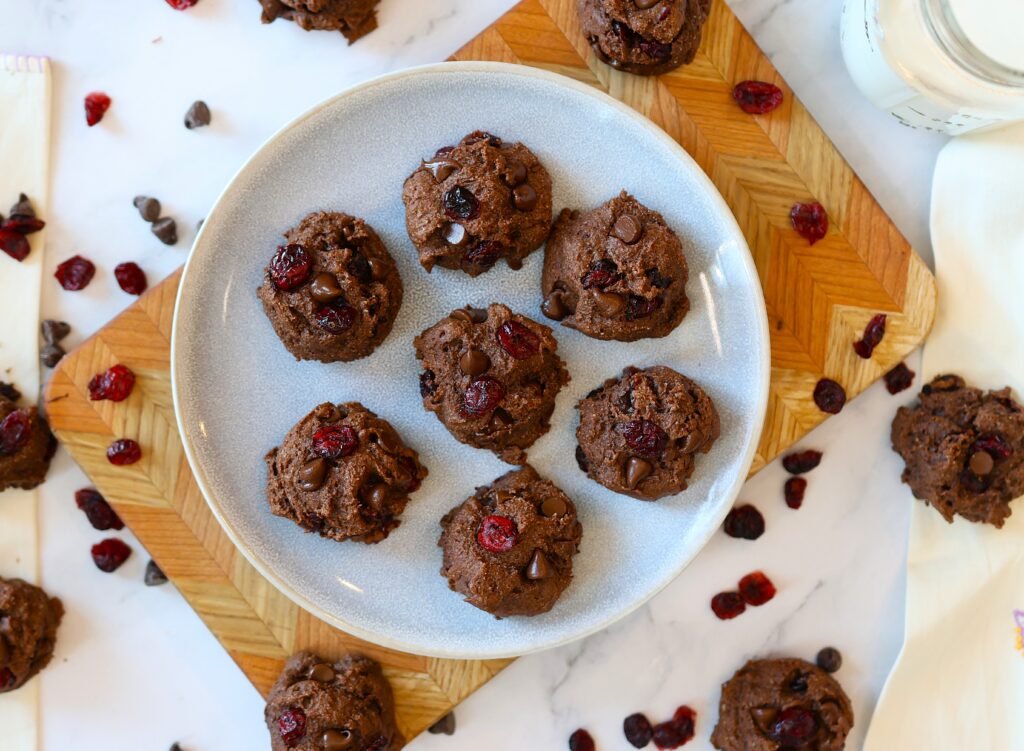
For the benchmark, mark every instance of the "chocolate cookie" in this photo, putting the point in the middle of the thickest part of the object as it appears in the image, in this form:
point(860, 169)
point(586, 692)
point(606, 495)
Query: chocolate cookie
point(639, 434)
point(772, 705)
point(964, 450)
point(491, 377)
point(333, 291)
point(471, 205)
point(26, 445)
point(648, 37)
point(616, 272)
point(316, 705)
point(353, 18)
point(343, 473)
point(508, 548)
point(28, 631)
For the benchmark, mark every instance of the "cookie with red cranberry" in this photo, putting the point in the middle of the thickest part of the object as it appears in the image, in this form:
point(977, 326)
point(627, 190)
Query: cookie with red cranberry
point(324, 705)
point(343, 473)
point(477, 203)
point(640, 434)
point(491, 377)
point(26, 445)
point(647, 37)
point(353, 18)
point(332, 291)
point(615, 272)
point(769, 705)
point(28, 631)
point(508, 548)
point(963, 449)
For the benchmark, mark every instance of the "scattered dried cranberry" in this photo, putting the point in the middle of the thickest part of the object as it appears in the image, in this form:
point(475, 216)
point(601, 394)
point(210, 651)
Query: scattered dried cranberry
point(640, 307)
point(518, 340)
point(638, 730)
point(810, 220)
point(745, 523)
point(290, 267)
point(115, 384)
point(23, 224)
point(292, 726)
point(482, 395)
point(873, 333)
point(994, 445)
point(15, 432)
point(757, 97)
point(829, 396)
point(182, 4)
point(336, 318)
point(335, 441)
point(124, 451)
point(14, 244)
point(602, 273)
point(131, 278)
point(75, 273)
point(484, 254)
point(498, 534)
point(677, 731)
point(794, 726)
point(801, 462)
point(899, 379)
point(109, 554)
point(428, 383)
point(756, 588)
point(727, 605)
point(794, 490)
point(645, 437)
point(96, 105)
point(460, 203)
point(581, 740)
point(101, 516)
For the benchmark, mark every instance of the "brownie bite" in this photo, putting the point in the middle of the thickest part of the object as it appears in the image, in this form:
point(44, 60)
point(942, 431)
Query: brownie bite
point(26, 443)
point(28, 631)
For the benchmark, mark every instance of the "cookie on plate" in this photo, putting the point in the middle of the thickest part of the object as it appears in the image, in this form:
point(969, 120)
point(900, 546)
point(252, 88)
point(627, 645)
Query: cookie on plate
point(343, 473)
point(333, 291)
point(648, 37)
point(353, 18)
point(491, 377)
point(769, 705)
point(964, 450)
point(615, 272)
point(509, 547)
point(26, 444)
point(28, 631)
point(640, 434)
point(319, 705)
point(473, 204)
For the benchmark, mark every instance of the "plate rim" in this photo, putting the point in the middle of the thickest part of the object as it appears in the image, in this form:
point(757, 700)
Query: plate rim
point(764, 347)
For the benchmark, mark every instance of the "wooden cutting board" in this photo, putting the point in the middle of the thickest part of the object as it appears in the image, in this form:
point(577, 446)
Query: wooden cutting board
point(819, 299)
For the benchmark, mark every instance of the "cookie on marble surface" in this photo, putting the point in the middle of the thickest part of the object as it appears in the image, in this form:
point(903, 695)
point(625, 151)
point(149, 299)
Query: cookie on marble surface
point(26, 445)
point(28, 631)
point(615, 272)
point(491, 377)
point(640, 434)
point(648, 37)
point(964, 450)
point(509, 547)
point(333, 291)
point(353, 18)
point(476, 203)
point(343, 473)
point(319, 705)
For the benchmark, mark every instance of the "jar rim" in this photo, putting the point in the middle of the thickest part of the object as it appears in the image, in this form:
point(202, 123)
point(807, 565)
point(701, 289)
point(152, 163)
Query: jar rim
point(948, 32)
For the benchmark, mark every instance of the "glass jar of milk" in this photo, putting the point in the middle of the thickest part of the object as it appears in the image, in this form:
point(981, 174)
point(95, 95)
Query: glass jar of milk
point(950, 66)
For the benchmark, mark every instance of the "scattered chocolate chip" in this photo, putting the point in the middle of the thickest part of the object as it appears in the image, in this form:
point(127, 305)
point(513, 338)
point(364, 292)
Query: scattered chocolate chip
point(554, 306)
point(829, 396)
point(198, 115)
point(500, 419)
point(628, 229)
point(166, 230)
point(474, 362)
point(455, 234)
point(51, 354)
point(444, 726)
point(539, 567)
point(981, 463)
point(54, 332)
point(655, 278)
point(321, 673)
point(149, 208)
point(829, 659)
point(313, 474)
point(23, 207)
point(154, 575)
point(553, 506)
point(524, 197)
point(376, 496)
point(325, 288)
point(609, 304)
point(9, 391)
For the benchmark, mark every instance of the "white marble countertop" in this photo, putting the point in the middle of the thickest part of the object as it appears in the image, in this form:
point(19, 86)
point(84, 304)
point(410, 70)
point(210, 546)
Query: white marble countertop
point(136, 669)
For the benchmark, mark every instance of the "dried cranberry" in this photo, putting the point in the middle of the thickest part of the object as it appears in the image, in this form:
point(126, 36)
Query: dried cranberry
point(484, 254)
point(638, 730)
point(745, 523)
point(115, 384)
point(101, 516)
point(757, 97)
point(380, 743)
point(292, 726)
point(482, 395)
point(810, 220)
point(677, 731)
point(581, 740)
point(22, 224)
point(75, 273)
point(645, 437)
point(899, 379)
point(756, 588)
point(428, 383)
point(290, 267)
point(794, 726)
point(658, 51)
point(131, 278)
point(96, 105)
point(109, 554)
point(994, 445)
point(640, 307)
point(499, 534)
point(801, 462)
point(335, 441)
point(182, 4)
point(873, 333)
point(829, 396)
point(685, 720)
point(123, 451)
point(727, 605)
point(14, 244)
point(794, 491)
point(600, 274)
point(518, 340)
point(15, 432)
point(460, 203)
point(336, 318)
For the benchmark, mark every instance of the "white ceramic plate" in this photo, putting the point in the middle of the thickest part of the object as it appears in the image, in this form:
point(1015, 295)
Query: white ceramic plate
point(237, 391)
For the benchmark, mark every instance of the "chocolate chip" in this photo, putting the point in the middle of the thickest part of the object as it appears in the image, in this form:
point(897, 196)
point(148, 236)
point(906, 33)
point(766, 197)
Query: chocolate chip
point(474, 362)
point(829, 659)
point(981, 463)
point(149, 208)
point(637, 470)
point(325, 288)
point(321, 673)
point(376, 496)
point(441, 169)
point(516, 174)
point(539, 567)
point(445, 726)
point(198, 115)
point(455, 234)
point(166, 230)
point(609, 304)
point(524, 197)
point(313, 474)
point(338, 740)
point(154, 575)
point(553, 506)
point(628, 229)
point(645, 4)
point(554, 306)
point(54, 331)
point(500, 419)
point(469, 314)
point(764, 718)
point(378, 269)
point(51, 354)
point(798, 683)
point(23, 207)
point(9, 391)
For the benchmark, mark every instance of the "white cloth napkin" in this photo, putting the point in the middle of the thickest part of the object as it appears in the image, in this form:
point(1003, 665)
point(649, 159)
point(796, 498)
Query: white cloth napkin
point(958, 684)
